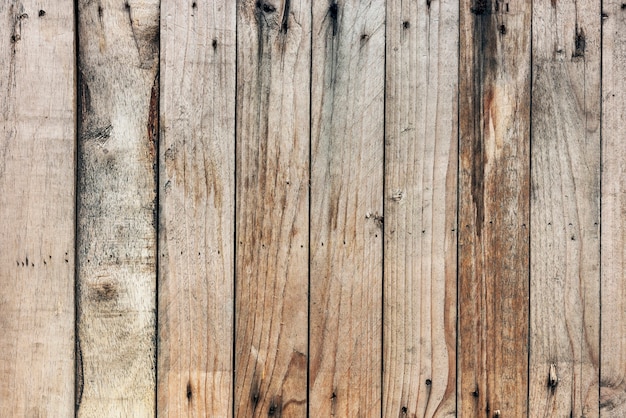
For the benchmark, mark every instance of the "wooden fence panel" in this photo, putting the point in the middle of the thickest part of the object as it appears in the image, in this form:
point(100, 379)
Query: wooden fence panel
point(272, 174)
point(494, 207)
point(37, 155)
point(116, 266)
point(197, 201)
point(565, 210)
point(420, 209)
point(346, 207)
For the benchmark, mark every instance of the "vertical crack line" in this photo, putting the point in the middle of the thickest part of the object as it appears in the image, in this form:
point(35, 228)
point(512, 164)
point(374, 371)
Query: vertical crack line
point(78, 362)
point(157, 211)
point(308, 341)
point(234, 272)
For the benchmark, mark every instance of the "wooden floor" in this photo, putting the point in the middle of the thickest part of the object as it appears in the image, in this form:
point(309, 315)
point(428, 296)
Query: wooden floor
point(349, 208)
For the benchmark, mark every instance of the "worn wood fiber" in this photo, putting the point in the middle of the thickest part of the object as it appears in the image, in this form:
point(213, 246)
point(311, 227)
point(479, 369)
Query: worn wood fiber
point(118, 96)
point(420, 209)
point(37, 155)
point(196, 218)
point(272, 234)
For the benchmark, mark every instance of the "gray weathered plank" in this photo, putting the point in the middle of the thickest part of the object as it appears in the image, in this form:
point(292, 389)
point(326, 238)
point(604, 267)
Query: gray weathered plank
point(420, 209)
point(37, 155)
point(116, 229)
point(196, 218)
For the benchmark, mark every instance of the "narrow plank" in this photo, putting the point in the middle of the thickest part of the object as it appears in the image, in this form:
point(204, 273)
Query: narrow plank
point(272, 208)
point(421, 209)
point(565, 210)
point(197, 156)
point(196, 219)
point(346, 208)
point(37, 155)
point(613, 236)
point(116, 228)
point(494, 207)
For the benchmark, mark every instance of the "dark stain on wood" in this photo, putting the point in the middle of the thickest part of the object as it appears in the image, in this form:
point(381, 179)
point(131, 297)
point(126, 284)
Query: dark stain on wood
point(189, 391)
point(153, 119)
point(42, 13)
point(284, 26)
point(333, 13)
point(275, 408)
point(579, 43)
point(103, 292)
point(80, 381)
point(481, 7)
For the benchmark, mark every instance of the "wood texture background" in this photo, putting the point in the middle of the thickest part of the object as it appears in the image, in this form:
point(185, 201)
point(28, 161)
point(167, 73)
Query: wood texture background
point(351, 208)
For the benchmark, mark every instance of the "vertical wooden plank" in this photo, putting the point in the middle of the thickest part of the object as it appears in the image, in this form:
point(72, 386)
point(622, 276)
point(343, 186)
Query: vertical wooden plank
point(613, 240)
point(346, 207)
point(272, 173)
point(118, 131)
point(196, 220)
point(37, 154)
point(421, 209)
point(494, 207)
point(565, 210)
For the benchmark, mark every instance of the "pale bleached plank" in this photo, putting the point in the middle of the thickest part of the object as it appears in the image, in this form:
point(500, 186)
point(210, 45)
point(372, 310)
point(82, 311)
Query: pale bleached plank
point(420, 209)
point(37, 154)
point(272, 207)
point(613, 240)
point(494, 208)
point(565, 210)
point(346, 208)
point(196, 219)
point(116, 246)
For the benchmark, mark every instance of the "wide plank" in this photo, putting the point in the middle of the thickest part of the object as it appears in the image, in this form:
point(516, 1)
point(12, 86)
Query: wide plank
point(118, 63)
point(494, 207)
point(272, 176)
point(347, 207)
point(565, 210)
point(37, 164)
point(421, 155)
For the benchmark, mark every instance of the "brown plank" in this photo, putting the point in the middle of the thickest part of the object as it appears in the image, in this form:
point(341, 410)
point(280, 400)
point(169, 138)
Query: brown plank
point(116, 245)
point(613, 240)
point(196, 218)
point(421, 209)
point(565, 210)
point(272, 208)
point(346, 207)
point(37, 154)
point(494, 207)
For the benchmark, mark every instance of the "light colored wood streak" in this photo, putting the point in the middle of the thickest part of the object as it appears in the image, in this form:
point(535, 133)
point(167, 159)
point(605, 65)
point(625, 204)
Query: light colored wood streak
point(347, 204)
point(494, 208)
point(613, 338)
point(420, 209)
point(37, 154)
point(272, 208)
point(196, 225)
point(119, 94)
point(565, 210)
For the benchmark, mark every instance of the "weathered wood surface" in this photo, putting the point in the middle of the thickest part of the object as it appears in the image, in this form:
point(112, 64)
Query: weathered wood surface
point(420, 209)
point(613, 200)
point(37, 154)
point(346, 208)
point(494, 207)
point(272, 174)
point(565, 208)
point(118, 95)
point(196, 219)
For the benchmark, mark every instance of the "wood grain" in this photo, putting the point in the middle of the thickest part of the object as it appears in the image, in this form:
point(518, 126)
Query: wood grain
point(116, 245)
point(346, 208)
point(565, 210)
point(420, 209)
point(37, 163)
point(272, 236)
point(613, 240)
point(494, 208)
point(197, 200)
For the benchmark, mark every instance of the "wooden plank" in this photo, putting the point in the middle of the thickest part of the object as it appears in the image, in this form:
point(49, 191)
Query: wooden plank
point(494, 207)
point(37, 155)
point(196, 221)
point(420, 209)
point(272, 208)
point(346, 208)
point(565, 210)
point(196, 227)
point(116, 245)
point(613, 235)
